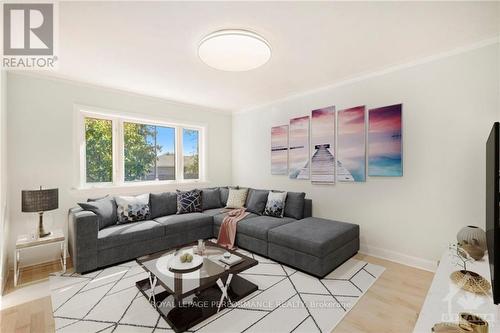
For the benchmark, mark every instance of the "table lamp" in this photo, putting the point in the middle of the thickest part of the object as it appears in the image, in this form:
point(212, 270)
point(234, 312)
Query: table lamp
point(39, 201)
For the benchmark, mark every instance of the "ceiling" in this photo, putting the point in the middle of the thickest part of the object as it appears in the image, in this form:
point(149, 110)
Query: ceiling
point(151, 47)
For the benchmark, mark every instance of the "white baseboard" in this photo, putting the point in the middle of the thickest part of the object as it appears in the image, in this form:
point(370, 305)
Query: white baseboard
point(398, 257)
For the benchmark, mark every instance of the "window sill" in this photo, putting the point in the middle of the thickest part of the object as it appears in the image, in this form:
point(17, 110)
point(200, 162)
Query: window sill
point(140, 187)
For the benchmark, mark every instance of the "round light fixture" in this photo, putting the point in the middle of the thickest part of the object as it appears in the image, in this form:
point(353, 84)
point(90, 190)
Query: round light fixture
point(234, 50)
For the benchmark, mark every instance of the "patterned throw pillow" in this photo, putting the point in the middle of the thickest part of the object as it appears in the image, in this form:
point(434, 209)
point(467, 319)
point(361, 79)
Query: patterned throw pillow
point(133, 209)
point(237, 198)
point(275, 205)
point(188, 202)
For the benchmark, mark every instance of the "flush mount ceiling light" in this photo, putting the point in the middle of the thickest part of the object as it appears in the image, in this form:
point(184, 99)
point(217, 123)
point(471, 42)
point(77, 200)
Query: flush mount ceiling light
point(234, 50)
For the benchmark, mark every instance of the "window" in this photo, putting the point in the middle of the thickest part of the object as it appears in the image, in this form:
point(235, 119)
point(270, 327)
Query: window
point(190, 150)
point(149, 152)
point(99, 150)
point(118, 150)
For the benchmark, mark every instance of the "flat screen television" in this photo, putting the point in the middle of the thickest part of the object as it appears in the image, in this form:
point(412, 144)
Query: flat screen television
point(492, 208)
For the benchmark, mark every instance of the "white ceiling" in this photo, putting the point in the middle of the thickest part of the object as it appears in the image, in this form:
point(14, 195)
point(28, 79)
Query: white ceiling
point(151, 47)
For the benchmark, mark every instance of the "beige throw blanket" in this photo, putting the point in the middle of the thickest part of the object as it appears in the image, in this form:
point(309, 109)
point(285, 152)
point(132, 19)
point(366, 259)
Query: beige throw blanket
point(227, 232)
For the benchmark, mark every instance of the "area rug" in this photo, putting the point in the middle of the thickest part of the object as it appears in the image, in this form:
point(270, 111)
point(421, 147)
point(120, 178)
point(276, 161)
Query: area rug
point(287, 300)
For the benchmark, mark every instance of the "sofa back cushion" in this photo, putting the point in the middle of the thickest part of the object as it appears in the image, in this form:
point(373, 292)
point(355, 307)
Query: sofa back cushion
point(188, 201)
point(256, 201)
point(163, 204)
point(294, 206)
point(105, 209)
point(224, 194)
point(133, 209)
point(210, 198)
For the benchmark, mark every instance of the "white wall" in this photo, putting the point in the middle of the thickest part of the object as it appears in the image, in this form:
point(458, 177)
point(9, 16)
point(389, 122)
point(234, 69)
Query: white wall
point(450, 104)
point(4, 222)
point(41, 148)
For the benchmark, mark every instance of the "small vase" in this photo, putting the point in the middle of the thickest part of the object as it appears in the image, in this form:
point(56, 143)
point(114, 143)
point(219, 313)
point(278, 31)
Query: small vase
point(472, 235)
point(477, 324)
point(473, 250)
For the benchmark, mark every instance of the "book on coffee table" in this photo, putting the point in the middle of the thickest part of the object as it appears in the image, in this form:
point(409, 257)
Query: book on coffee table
point(232, 260)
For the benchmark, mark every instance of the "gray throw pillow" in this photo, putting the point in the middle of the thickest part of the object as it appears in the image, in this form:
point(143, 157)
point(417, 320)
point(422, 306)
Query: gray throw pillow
point(162, 204)
point(105, 209)
point(294, 206)
point(224, 194)
point(256, 201)
point(133, 209)
point(210, 198)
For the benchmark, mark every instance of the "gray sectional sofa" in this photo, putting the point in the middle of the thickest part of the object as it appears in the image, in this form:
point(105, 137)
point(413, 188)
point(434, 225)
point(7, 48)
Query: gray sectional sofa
point(313, 245)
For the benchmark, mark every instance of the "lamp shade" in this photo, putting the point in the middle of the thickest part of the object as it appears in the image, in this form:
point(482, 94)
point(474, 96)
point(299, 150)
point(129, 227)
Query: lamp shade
point(40, 200)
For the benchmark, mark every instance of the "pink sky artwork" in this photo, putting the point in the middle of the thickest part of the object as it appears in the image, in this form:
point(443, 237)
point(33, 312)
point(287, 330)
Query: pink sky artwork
point(279, 150)
point(298, 167)
point(323, 137)
point(351, 141)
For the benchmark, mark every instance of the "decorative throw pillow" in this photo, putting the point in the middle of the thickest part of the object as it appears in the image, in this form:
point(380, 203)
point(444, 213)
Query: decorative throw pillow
point(104, 208)
point(133, 209)
point(188, 202)
point(237, 198)
point(210, 197)
point(256, 201)
point(275, 205)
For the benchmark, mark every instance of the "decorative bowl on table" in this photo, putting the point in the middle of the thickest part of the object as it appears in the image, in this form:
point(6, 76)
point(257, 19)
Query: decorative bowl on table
point(179, 262)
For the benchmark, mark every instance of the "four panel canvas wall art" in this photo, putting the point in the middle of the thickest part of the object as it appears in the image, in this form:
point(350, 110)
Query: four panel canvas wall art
point(298, 154)
point(351, 145)
point(279, 150)
point(323, 145)
point(338, 141)
point(385, 144)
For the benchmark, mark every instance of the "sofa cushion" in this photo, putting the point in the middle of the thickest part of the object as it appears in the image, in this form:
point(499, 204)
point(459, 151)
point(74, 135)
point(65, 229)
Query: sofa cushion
point(258, 227)
point(188, 201)
point(182, 222)
point(256, 201)
point(237, 198)
point(294, 206)
point(123, 234)
point(105, 209)
point(210, 198)
point(162, 204)
point(315, 236)
point(213, 211)
point(224, 194)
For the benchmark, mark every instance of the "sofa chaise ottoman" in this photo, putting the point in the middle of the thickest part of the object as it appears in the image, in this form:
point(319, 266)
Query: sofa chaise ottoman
point(314, 245)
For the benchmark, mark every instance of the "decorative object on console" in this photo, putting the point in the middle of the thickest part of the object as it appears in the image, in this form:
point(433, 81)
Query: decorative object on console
point(39, 201)
point(132, 209)
point(385, 149)
point(464, 278)
point(189, 202)
point(323, 141)
point(476, 252)
point(450, 328)
point(237, 198)
point(275, 205)
point(279, 150)
point(298, 154)
point(476, 323)
point(351, 145)
point(471, 233)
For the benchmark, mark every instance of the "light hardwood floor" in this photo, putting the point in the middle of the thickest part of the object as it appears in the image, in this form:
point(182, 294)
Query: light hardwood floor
point(391, 305)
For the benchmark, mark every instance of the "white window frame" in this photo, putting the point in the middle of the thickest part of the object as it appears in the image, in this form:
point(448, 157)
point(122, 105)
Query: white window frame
point(118, 174)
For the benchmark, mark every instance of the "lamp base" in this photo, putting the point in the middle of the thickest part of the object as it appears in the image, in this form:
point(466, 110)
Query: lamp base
point(41, 231)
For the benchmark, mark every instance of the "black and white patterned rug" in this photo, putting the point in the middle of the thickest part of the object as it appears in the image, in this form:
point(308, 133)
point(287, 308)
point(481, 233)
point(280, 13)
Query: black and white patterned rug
point(287, 300)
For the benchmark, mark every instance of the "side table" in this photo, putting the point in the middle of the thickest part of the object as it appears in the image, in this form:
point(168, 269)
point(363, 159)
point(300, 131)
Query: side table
point(25, 242)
